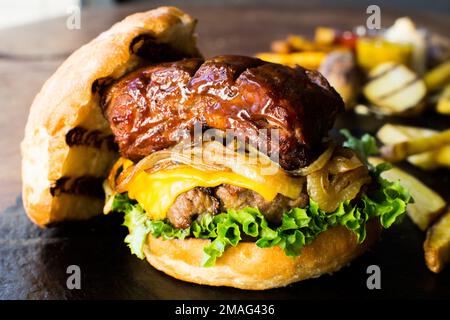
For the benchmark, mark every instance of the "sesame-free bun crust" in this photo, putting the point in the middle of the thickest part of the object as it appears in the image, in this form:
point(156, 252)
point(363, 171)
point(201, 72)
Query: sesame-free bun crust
point(67, 101)
point(248, 267)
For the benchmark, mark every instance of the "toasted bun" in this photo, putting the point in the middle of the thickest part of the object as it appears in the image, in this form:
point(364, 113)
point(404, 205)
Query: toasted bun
point(68, 149)
point(248, 267)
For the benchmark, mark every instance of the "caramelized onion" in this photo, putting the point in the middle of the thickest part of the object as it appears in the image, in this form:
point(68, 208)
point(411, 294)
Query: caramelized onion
point(343, 160)
point(318, 164)
point(163, 160)
point(239, 163)
point(211, 156)
point(339, 180)
point(335, 176)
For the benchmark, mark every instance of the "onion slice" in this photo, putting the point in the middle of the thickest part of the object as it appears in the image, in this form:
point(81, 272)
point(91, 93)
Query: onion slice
point(318, 164)
point(339, 180)
point(165, 159)
point(210, 156)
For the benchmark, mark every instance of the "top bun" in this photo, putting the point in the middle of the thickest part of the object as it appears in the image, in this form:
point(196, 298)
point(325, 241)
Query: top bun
point(68, 147)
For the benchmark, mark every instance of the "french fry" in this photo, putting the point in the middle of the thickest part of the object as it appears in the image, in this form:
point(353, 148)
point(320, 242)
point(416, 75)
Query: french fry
point(402, 150)
point(392, 133)
point(395, 133)
point(425, 161)
point(325, 36)
point(280, 46)
point(443, 156)
point(437, 244)
point(438, 77)
point(298, 43)
point(443, 104)
point(427, 206)
point(307, 59)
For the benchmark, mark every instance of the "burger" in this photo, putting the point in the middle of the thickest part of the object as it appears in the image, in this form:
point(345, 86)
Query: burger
point(222, 167)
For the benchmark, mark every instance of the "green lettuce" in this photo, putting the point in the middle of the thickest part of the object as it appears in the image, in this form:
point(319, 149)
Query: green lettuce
point(299, 226)
point(365, 147)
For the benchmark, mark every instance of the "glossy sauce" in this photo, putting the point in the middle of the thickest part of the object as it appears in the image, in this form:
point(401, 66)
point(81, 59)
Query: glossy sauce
point(155, 107)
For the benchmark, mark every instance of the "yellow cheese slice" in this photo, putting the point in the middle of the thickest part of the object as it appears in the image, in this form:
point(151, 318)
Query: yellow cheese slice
point(156, 192)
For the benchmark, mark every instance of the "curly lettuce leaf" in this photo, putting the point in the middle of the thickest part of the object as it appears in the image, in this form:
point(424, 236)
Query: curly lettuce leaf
point(391, 197)
point(364, 147)
point(140, 226)
point(388, 202)
point(299, 226)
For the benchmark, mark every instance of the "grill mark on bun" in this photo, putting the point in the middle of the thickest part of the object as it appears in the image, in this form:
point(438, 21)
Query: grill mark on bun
point(147, 47)
point(80, 136)
point(99, 85)
point(84, 185)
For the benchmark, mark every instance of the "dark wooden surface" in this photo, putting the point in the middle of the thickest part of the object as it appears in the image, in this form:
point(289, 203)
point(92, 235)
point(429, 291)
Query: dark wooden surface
point(33, 261)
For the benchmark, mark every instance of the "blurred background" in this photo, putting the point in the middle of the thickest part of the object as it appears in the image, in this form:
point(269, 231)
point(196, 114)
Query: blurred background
point(18, 12)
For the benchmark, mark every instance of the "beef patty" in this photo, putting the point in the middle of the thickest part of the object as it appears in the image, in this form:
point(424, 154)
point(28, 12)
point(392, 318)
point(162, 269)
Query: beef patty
point(190, 204)
point(197, 201)
point(156, 107)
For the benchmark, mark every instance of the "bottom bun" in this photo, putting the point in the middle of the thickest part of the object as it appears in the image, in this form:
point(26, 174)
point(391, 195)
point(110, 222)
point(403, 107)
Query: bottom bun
point(248, 267)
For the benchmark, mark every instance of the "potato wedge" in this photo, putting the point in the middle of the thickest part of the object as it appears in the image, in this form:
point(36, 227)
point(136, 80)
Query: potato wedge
point(427, 206)
point(438, 77)
point(395, 133)
point(391, 133)
point(437, 244)
point(402, 150)
point(395, 89)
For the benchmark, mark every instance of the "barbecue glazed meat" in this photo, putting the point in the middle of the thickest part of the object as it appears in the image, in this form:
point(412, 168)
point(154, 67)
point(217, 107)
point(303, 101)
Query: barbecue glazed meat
point(155, 107)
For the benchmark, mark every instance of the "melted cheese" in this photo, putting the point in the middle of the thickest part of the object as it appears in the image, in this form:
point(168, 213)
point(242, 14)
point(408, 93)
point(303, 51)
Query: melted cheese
point(156, 192)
